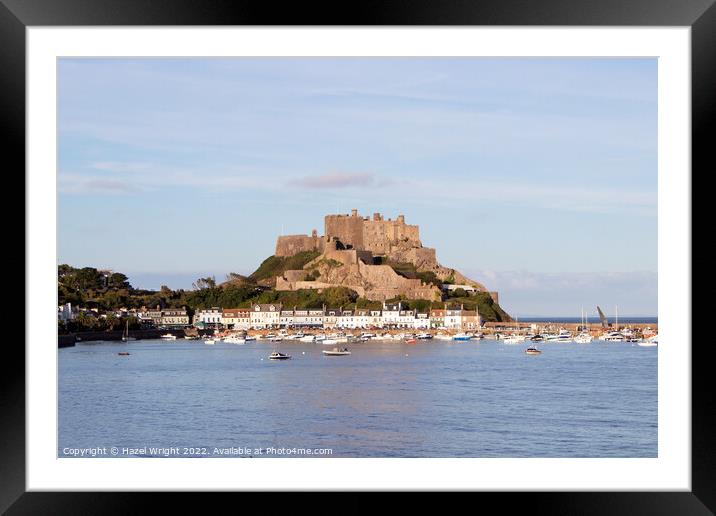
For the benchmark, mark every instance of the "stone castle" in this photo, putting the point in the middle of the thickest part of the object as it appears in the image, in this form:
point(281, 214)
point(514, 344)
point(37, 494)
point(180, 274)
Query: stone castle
point(353, 249)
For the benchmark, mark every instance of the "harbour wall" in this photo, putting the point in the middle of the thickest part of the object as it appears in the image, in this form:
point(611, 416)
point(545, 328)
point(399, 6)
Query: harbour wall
point(71, 339)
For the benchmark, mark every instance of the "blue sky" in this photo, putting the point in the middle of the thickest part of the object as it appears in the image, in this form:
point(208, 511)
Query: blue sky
point(537, 177)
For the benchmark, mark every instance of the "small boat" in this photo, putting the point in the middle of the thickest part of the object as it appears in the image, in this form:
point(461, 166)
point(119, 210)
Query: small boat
point(335, 352)
point(562, 336)
point(328, 342)
point(235, 339)
point(123, 353)
point(210, 342)
point(424, 336)
point(279, 356)
point(612, 336)
point(443, 336)
point(514, 339)
point(532, 351)
point(307, 338)
point(248, 338)
point(537, 338)
point(275, 338)
point(650, 342)
point(461, 336)
point(168, 336)
point(583, 338)
point(191, 337)
point(411, 340)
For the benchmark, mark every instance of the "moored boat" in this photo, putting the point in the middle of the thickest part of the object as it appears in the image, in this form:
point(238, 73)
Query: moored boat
point(336, 352)
point(168, 336)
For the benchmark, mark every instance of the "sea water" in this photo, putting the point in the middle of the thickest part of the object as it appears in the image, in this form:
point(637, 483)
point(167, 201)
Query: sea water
point(479, 398)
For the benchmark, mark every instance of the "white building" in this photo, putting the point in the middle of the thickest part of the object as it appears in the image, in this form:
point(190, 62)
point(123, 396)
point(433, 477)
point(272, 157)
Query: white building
point(406, 318)
point(265, 316)
point(391, 315)
point(64, 312)
point(208, 316)
point(285, 319)
point(453, 319)
point(421, 321)
point(330, 317)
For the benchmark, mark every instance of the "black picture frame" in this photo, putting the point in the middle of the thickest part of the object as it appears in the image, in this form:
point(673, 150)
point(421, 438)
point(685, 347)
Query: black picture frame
point(700, 15)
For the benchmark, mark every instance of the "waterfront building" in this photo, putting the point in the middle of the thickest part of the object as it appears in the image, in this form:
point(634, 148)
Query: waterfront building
point(453, 319)
point(437, 318)
point(152, 315)
point(362, 318)
point(330, 318)
point(406, 318)
point(308, 318)
point(265, 315)
point(421, 321)
point(376, 319)
point(391, 315)
point(174, 317)
point(236, 318)
point(210, 317)
point(346, 320)
point(285, 319)
point(470, 320)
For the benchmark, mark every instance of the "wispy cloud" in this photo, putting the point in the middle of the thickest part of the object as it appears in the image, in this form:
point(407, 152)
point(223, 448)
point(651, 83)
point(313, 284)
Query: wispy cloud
point(87, 185)
point(118, 166)
point(335, 180)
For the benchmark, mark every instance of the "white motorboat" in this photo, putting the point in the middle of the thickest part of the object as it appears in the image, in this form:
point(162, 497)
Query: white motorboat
point(279, 356)
point(562, 336)
point(210, 342)
point(335, 352)
point(307, 338)
point(514, 339)
point(168, 336)
point(235, 339)
point(612, 336)
point(443, 336)
point(583, 338)
point(330, 342)
point(650, 342)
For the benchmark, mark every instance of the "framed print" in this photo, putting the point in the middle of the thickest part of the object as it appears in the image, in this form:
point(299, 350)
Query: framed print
point(431, 249)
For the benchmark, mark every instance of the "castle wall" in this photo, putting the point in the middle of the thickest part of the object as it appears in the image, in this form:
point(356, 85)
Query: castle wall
point(289, 245)
point(376, 235)
point(347, 228)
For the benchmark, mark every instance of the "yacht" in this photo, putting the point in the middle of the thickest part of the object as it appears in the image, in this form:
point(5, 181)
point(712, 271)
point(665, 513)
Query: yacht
point(583, 338)
point(307, 338)
point(562, 336)
point(125, 333)
point(612, 336)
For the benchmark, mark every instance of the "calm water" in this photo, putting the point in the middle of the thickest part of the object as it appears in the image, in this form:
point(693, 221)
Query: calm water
point(388, 399)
